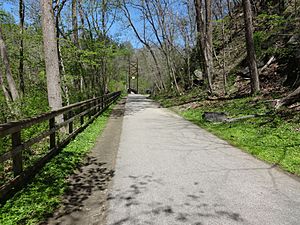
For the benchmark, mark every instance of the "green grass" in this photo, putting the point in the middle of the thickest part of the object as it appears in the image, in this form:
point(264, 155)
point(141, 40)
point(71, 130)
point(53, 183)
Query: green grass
point(274, 138)
point(39, 199)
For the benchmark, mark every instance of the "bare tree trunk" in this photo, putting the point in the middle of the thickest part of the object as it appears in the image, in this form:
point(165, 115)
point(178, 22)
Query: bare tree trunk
point(6, 93)
point(144, 42)
point(250, 47)
point(84, 36)
point(162, 84)
point(224, 56)
point(229, 8)
point(223, 66)
point(21, 50)
point(74, 23)
point(60, 59)
point(81, 15)
point(203, 41)
point(105, 79)
point(51, 56)
point(10, 80)
point(209, 43)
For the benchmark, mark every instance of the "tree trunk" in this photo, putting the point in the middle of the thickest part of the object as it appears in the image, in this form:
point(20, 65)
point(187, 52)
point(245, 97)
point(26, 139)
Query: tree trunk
point(209, 43)
point(81, 15)
point(21, 50)
point(74, 23)
point(103, 58)
point(5, 92)
point(51, 56)
point(202, 42)
point(250, 47)
point(10, 80)
point(145, 43)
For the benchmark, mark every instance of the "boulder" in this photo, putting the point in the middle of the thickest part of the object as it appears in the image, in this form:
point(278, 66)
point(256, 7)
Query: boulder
point(215, 116)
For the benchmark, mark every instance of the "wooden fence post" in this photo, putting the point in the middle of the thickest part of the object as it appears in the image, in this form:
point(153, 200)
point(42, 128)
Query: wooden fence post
point(71, 123)
point(52, 136)
point(17, 156)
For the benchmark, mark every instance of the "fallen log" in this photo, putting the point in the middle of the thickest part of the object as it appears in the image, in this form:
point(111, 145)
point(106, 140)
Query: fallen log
point(271, 60)
point(289, 100)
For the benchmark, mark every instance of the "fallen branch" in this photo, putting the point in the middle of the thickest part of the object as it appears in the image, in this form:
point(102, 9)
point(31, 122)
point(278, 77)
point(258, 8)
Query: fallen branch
point(222, 117)
point(289, 100)
point(271, 60)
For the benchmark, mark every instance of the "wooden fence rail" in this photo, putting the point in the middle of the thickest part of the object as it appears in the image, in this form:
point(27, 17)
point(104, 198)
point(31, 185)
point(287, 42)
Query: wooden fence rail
point(62, 119)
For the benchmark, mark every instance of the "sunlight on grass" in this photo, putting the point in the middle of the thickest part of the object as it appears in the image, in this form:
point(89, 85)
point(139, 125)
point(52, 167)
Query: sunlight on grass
point(271, 138)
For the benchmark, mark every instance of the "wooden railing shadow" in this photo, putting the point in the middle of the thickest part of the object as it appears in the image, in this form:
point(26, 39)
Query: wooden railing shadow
point(76, 117)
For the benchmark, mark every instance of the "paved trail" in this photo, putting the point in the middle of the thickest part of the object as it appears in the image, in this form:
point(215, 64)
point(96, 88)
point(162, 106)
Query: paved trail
point(171, 172)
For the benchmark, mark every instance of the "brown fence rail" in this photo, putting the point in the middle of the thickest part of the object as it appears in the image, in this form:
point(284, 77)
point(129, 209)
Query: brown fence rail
point(58, 128)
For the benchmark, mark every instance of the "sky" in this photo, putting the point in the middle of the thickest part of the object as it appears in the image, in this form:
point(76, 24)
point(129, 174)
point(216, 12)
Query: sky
point(7, 6)
point(119, 31)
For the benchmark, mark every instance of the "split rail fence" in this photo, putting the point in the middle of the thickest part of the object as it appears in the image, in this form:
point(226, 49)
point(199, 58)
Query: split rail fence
point(52, 131)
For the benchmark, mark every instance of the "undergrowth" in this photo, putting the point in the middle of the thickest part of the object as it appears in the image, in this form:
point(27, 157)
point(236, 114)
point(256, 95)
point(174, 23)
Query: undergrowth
point(168, 100)
point(39, 199)
point(274, 137)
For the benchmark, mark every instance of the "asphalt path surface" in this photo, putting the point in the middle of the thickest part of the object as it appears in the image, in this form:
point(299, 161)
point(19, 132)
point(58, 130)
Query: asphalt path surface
point(170, 172)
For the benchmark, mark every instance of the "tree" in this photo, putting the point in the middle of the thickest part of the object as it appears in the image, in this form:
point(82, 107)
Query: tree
point(255, 88)
point(204, 38)
point(5, 92)
point(75, 23)
point(142, 38)
point(51, 56)
point(209, 43)
point(21, 51)
point(10, 80)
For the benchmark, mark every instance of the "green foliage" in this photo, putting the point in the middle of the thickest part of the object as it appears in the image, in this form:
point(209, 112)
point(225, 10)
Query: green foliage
point(267, 21)
point(273, 138)
point(6, 18)
point(32, 204)
point(169, 100)
point(85, 70)
point(259, 38)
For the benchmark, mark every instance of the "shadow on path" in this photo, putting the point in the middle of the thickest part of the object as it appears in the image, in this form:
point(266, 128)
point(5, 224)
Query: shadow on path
point(193, 210)
point(90, 177)
point(85, 200)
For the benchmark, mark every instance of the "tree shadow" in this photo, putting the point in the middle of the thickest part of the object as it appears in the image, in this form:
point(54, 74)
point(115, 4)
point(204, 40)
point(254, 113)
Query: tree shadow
point(194, 210)
point(90, 177)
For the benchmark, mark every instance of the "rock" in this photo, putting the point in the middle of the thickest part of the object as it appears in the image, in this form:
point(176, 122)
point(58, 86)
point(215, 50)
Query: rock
point(246, 71)
point(215, 116)
point(199, 74)
point(294, 40)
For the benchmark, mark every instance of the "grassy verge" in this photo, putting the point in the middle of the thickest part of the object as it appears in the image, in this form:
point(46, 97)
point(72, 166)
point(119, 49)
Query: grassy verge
point(43, 195)
point(274, 138)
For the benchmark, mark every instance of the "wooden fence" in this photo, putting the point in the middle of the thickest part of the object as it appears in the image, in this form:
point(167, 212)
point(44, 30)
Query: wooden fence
point(63, 119)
